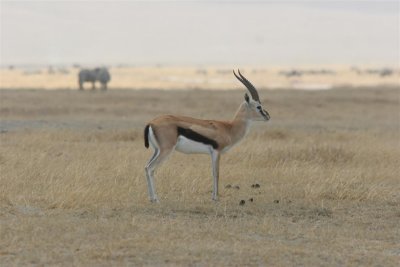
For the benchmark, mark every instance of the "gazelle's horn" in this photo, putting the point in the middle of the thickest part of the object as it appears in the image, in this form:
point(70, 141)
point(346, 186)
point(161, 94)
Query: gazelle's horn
point(249, 86)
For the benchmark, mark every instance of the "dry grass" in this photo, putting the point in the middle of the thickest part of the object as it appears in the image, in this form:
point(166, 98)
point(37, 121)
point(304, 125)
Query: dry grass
point(204, 78)
point(73, 190)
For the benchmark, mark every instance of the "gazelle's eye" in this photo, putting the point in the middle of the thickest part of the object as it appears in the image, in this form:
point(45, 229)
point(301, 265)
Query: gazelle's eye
point(259, 107)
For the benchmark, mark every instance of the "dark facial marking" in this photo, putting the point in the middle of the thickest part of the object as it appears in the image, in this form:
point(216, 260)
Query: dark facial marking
point(192, 135)
point(246, 97)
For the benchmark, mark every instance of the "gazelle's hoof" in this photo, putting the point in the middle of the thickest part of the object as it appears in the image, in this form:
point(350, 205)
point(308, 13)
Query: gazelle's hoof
point(215, 198)
point(154, 200)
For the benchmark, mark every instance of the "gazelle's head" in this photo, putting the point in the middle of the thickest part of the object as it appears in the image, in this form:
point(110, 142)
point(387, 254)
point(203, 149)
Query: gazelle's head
point(257, 112)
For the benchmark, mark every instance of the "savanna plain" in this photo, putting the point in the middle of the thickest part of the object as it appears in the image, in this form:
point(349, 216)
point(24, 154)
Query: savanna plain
point(73, 190)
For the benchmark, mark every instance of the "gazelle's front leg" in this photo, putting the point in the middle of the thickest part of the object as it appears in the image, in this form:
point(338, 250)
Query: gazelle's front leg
point(215, 155)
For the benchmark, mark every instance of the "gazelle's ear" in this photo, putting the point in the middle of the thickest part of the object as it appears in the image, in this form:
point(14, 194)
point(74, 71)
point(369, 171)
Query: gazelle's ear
point(246, 97)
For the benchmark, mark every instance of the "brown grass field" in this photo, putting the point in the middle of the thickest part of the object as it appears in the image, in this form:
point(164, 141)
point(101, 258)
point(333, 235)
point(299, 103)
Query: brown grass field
point(73, 191)
point(208, 77)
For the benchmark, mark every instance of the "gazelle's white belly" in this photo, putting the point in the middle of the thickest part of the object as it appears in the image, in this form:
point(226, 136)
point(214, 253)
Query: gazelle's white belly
point(188, 146)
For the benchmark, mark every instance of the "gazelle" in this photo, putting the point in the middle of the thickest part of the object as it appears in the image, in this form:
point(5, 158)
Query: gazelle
point(167, 133)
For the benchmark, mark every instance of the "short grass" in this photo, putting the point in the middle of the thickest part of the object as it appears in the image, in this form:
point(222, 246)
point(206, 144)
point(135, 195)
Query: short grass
point(73, 192)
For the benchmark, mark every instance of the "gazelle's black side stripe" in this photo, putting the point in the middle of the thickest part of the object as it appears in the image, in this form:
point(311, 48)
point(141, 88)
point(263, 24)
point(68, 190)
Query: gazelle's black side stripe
point(192, 135)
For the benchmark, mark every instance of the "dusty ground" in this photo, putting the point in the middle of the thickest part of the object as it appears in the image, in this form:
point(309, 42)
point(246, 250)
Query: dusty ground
point(73, 192)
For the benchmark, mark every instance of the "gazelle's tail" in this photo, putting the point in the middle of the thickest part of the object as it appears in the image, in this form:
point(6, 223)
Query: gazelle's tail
point(146, 136)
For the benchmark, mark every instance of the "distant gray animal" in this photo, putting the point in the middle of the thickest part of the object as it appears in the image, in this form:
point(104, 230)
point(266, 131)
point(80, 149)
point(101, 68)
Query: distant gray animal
point(291, 73)
point(92, 75)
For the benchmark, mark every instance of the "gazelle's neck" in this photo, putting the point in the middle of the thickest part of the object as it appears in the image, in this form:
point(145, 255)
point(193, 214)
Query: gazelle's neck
point(240, 124)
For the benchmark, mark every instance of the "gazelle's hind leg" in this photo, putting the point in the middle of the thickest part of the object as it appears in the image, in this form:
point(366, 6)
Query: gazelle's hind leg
point(156, 160)
point(149, 176)
point(158, 157)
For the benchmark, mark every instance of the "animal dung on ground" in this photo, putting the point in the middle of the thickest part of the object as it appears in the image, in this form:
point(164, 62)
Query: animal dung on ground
point(255, 185)
point(251, 199)
point(228, 186)
point(276, 201)
point(242, 202)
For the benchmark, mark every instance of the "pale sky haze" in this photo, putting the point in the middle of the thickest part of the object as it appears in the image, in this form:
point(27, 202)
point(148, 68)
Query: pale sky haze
point(200, 32)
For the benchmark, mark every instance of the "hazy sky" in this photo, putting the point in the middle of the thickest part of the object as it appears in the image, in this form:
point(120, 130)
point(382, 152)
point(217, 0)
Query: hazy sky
point(202, 32)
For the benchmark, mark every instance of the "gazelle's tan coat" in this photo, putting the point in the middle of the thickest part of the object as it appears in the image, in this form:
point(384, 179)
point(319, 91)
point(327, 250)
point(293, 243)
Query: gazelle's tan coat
point(167, 133)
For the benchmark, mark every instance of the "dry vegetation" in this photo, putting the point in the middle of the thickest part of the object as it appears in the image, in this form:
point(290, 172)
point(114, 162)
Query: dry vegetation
point(311, 77)
point(73, 192)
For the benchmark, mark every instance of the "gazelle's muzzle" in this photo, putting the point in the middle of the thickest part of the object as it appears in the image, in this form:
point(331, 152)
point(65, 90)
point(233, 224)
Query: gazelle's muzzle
point(265, 115)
